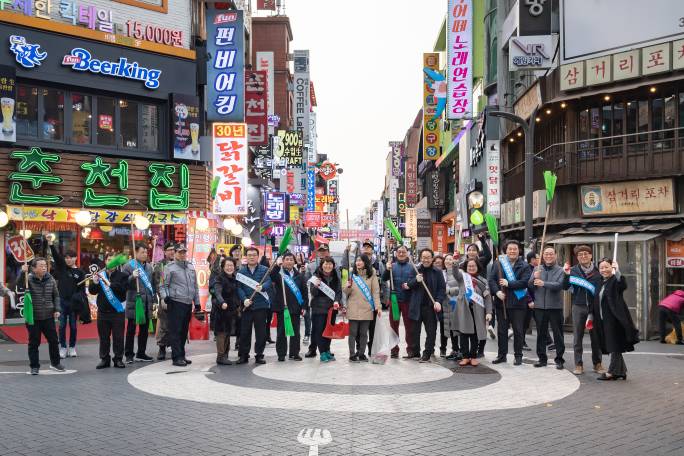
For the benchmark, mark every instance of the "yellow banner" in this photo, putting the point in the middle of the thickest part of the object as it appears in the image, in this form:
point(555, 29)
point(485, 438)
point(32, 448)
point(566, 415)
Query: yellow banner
point(99, 216)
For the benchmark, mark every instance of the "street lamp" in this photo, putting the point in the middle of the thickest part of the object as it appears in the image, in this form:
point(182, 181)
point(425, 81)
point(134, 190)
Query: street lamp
point(528, 130)
point(141, 222)
point(83, 217)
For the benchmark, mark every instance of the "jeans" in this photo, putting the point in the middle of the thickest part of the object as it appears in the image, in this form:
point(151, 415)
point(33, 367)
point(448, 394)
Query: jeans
point(47, 328)
point(579, 321)
point(358, 336)
point(178, 323)
point(281, 338)
point(555, 318)
point(516, 319)
point(257, 319)
point(319, 342)
point(67, 316)
point(665, 314)
point(110, 328)
point(408, 330)
point(143, 333)
point(429, 319)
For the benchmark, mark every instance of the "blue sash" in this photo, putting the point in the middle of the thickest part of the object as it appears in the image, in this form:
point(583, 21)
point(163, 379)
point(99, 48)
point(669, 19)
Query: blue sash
point(584, 283)
point(293, 287)
point(109, 294)
point(364, 289)
point(143, 275)
point(470, 293)
point(510, 276)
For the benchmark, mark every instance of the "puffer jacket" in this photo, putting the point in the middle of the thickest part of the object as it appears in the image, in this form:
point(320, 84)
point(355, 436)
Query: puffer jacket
point(45, 295)
point(358, 307)
point(259, 301)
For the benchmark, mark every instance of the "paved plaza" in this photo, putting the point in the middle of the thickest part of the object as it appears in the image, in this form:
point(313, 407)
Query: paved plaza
point(401, 408)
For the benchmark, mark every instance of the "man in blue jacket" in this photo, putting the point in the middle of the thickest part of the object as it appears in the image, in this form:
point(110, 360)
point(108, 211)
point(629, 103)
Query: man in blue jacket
point(256, 309)
point(402, 274)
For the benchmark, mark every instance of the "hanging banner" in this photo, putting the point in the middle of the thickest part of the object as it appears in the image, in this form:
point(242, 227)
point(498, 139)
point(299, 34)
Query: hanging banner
point(256, 106)
point(225, 67)
point(310, 188)
point(230, 168)
point(302, 95)
point(459, 59)
point(265, 62)
point(393, 188)
point(186, 126)
point(432, 123)
point(493, 157)
point(199, 244)
point(411, 222)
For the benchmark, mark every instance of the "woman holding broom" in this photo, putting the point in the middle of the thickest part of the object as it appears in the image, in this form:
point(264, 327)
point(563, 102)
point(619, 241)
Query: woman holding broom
point(363, 300)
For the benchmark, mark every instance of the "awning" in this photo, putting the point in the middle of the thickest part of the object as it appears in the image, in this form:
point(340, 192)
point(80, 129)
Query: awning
point(597, 238)
point(657, 227)
point(677, 235)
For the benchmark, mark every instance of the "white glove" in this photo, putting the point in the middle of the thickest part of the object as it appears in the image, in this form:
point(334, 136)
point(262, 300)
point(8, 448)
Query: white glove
point(136, 273)
point(501, 295)
point(419, 278)
point(247, 303)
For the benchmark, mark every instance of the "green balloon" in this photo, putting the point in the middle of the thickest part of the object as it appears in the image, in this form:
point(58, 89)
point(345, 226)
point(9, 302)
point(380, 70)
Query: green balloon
point(476, 218)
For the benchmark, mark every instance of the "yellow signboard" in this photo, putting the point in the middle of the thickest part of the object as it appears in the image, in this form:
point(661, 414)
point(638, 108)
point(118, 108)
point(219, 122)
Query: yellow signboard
point(98, 216)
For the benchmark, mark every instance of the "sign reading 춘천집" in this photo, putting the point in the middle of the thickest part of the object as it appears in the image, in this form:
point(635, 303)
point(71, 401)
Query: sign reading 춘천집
point(634, 197)
point(256, 106)
point(225, 68)
point(230, 168)
point(459, 59)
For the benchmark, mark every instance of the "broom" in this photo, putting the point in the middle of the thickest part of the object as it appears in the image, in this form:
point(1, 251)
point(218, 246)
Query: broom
point(28, 299)
point(282, 248)
point(139, 305)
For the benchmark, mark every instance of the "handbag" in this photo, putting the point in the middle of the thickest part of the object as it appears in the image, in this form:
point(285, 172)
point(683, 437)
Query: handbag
point(333, 328)
point(199, 329)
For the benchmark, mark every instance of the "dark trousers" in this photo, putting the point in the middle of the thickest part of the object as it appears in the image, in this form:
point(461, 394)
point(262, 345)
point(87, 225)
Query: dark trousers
point(269, 319)
point(579, 321)
point(544, 317)
point(319, 342)
point(110, 328)
point(429, 319)
point(371, 333)
point(403, 312)
point(469, 345)
point(482, 343)
point(47, 328)
point(143, 333)
point(67, 316)
point(162, 328)
point(617, 364)
point(665, 314)
point(178, 322)
point(281, 338)
point(307, 323)
point(257, 319)
point(516, 319)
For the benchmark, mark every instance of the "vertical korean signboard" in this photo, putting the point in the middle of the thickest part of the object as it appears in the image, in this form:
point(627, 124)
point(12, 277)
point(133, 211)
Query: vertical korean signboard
point(230, 168)
point(397, 165)
point(432, 125)
point(256, 107)
point(459, 59)
point(493, 158)
point(302, 95)
point(265, 62)
point(311, 189)
point(225, 68)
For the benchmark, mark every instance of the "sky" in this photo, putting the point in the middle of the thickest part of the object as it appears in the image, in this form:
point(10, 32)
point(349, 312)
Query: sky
point(366, 66)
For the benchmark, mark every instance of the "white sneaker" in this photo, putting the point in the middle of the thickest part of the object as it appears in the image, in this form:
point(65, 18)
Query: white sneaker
point(72, 352)
point(62, 352)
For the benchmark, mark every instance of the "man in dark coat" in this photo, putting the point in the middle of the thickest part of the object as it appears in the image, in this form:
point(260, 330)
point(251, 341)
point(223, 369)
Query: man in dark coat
point(139, 283)
point(289, 286)
point(422, 308)
point(256, 308)
point(508, 281)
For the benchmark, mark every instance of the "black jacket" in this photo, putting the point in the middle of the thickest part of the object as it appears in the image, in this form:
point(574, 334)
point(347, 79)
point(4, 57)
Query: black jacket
point(612, 319)
point(522, 272)
point(580, 296)
point(118, 283)
point(434, 279)
point(292, 303)
point(223, 289)
point(44, 294)
point(67, 278)
point(320, 303)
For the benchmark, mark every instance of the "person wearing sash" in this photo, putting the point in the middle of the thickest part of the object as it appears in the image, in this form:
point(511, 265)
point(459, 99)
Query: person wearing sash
point(402, 273)
point(289, 289)
point(325, 291)
point(547, 283)
point(256, 309)
point(472, 308)
point(224, 307)
point(508, 281)
point(583, 280)
point(613, 321)
point(139, 274)
point(449, 316)
point(363, 300)
point(162, 318)
point(425, 305)
point(110, 289)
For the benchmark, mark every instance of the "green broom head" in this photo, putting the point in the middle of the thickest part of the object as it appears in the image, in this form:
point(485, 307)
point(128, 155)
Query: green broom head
point(139, 311)
point(117, 261)
point(28, 308)
point(284, 244)
point(394, 231)
point(492, 228)
point(550, 181)
point(345, 275)
point(287, 321)
point(214, 186)
point(395, 306)
point(150, 327)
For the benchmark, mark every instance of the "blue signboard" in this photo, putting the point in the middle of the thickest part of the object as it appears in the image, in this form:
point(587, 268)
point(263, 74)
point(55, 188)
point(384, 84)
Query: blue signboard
point(226, 66)
point(275, 207)
point(311, 188)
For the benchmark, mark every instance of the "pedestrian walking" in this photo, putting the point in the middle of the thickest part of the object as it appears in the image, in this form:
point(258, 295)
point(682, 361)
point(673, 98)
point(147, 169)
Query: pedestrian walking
point(669, 309)
point(613, 320)
point(401, 272)
point(289, 289)
point(448, 315)
point(363, 302)
point(472, 308)
point(139, 275)
point(179, 293)
point(583, 280)
point(326, 292)
point(225, 303)
point(162, 315)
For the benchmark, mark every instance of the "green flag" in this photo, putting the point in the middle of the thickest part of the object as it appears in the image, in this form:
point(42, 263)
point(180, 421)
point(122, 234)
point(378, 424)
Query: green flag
point(394, 231)
point(139, 311)
point(287, 321)
point(550, 182)
point(284, 244)
point(395, 306)
point(28, 308)
point(492, 228)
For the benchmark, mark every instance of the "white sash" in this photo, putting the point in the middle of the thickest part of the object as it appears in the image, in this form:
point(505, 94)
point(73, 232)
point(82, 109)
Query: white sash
point(329, 292)
point(251, 283)
point(470, 292)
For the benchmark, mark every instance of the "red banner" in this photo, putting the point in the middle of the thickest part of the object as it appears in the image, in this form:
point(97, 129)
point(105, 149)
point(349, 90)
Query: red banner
point(312, 219)
point(356, 235)
point(256, 107)
point(439, 238)
point(266, 5)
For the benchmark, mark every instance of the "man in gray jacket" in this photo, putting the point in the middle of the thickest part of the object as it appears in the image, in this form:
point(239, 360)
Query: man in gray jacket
point(140, 277)
point(179, 293)
point(547, 283)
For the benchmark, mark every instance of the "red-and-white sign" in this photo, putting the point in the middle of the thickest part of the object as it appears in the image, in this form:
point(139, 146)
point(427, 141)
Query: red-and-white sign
point(356, 235)
point(327, 170)
point(675, 254)
point(312, 219)
point(256, 106)
point(20, 249)
point(460, 59)
point(266, 5)
point(230, 167)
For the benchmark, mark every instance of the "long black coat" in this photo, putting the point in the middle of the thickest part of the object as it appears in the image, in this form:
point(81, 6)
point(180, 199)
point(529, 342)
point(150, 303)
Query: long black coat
point(612, 320)
point(292, 304)
point(223, 288)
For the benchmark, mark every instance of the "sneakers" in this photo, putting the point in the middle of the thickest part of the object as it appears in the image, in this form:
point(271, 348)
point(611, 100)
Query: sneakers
point(491, 332)
point(62, 352)
point(143, 358)
point(58, 368)
point(129, 360)
point(325, 358)
point(579, 370)
point(72, 352)
point(34, 371)
point(310, 354)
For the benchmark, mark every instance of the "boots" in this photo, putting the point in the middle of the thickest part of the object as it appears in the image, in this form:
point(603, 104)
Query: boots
point(598, 368)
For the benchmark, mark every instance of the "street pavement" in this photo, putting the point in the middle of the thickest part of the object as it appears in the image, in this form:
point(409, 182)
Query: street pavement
point(400, 408)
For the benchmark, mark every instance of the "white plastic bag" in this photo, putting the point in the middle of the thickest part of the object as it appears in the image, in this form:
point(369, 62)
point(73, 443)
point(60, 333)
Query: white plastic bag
point(384, 339)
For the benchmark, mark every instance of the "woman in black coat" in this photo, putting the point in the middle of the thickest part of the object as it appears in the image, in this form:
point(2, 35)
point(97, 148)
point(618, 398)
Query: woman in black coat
point(224, 307)
point(612, 320)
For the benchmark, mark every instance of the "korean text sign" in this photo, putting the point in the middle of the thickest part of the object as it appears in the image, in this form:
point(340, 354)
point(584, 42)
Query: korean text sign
point(256, 107)
point(225, 67)
point(432, 124)
point(230, 168)
point(460, 59)
point(275, 207)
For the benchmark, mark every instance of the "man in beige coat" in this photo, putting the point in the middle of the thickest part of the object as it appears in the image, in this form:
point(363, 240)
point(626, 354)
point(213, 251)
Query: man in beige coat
point(363, 300)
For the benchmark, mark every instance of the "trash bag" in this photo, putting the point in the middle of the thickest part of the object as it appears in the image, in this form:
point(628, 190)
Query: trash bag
point(199, 329)
point(384, 339)
point(335, 329)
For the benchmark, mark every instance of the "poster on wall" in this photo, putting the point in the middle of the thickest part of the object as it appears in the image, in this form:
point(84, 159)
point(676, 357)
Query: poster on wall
point(185, 125)
point(229, 168)
point(8, 100)
point(225, 68)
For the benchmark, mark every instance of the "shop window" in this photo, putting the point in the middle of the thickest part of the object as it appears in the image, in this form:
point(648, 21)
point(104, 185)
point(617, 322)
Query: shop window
point(105, 121)
point(128, 111)
point(643, 120)
point(53, 119)
point(657, 118)
point(81, 117)
point(150, 127)
point(27, 111)
point(606, 126)
point(632, 111)
point(618, 123)
point(669, 116)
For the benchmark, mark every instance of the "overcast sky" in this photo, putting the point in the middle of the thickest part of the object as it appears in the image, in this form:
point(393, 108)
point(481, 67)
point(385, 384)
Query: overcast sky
point(366, 58)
